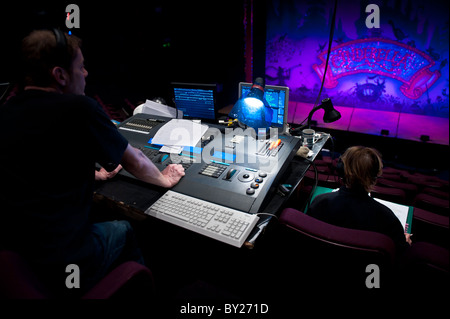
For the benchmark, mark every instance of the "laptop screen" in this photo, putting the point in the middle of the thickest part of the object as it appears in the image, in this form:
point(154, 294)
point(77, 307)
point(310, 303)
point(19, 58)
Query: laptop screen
point(278, 99)
point(197, 101)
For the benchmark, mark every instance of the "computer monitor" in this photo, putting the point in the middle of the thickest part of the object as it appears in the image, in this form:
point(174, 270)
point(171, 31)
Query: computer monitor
point(197, 101)
point(278, 99)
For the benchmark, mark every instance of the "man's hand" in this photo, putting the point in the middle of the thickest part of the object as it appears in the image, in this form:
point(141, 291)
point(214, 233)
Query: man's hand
point(103, 174)
point(173, 173)
point(139, 165)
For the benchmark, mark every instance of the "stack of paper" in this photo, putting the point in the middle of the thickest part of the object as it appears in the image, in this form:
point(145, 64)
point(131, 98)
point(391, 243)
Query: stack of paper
point(176, 134)
point(154, 108)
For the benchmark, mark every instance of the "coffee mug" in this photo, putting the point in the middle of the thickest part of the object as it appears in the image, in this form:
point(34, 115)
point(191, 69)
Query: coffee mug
point(308, 137)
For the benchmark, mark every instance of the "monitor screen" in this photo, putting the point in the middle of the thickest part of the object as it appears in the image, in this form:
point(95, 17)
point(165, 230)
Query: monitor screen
point(197, 101)
point(278, 99)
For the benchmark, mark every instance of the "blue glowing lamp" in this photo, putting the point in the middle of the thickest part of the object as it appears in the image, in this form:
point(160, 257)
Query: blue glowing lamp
point(252, 110)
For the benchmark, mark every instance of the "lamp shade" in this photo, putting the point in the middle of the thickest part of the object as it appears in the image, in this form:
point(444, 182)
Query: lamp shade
point(252, 109)
point(331, 114)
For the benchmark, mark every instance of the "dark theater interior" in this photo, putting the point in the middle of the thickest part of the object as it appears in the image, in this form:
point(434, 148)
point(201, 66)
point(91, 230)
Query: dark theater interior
point(252, 159)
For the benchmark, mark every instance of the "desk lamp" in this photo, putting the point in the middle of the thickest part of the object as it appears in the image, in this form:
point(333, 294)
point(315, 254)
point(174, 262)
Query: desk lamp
point(330, 115)
point(252, 110)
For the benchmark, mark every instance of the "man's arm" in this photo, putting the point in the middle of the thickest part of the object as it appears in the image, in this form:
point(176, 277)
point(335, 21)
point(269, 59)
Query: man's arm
point(137, 164)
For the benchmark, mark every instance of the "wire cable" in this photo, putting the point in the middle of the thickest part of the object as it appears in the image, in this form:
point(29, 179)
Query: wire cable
point(316, 181)
point(268, 214)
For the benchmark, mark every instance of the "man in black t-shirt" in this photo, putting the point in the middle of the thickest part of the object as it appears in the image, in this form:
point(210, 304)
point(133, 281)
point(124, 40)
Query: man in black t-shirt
point(51, 136)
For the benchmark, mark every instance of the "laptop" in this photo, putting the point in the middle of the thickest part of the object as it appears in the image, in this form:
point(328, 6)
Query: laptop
point(278, 99)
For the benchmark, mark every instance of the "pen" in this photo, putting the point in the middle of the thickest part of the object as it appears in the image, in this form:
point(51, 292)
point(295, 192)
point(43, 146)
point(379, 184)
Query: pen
point(272, 145)
point(277, 143)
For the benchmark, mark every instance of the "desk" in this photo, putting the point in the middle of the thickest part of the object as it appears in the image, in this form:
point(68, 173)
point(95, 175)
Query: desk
point(132, 197)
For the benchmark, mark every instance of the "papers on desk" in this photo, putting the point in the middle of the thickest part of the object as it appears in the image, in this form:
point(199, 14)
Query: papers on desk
point(154, 108)
point(171, 149)
point(177, 133)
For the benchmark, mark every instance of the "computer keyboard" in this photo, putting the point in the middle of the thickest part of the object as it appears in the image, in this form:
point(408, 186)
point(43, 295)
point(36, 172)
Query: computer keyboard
point(218, 222)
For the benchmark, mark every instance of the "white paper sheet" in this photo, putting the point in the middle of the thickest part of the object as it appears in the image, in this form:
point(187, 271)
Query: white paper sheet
point(178, 132)
point(154, 108)
point(401, 211)
point(171, 149)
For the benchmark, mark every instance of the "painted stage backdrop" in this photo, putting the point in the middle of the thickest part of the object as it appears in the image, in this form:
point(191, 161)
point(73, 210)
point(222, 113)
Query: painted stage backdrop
point(400, 66)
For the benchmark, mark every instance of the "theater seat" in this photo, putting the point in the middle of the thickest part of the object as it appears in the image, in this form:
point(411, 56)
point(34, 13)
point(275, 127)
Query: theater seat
point(409, 189)
point(436, 193)
point(394, 195)
point(17, 281)
point(326, 250)
point(430, 227)
point(347, 252)
point(324, 180)
point(431, 203)
point(426, 269)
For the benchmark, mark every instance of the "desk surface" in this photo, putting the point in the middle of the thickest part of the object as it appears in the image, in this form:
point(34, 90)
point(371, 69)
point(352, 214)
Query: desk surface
point(132, 197)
